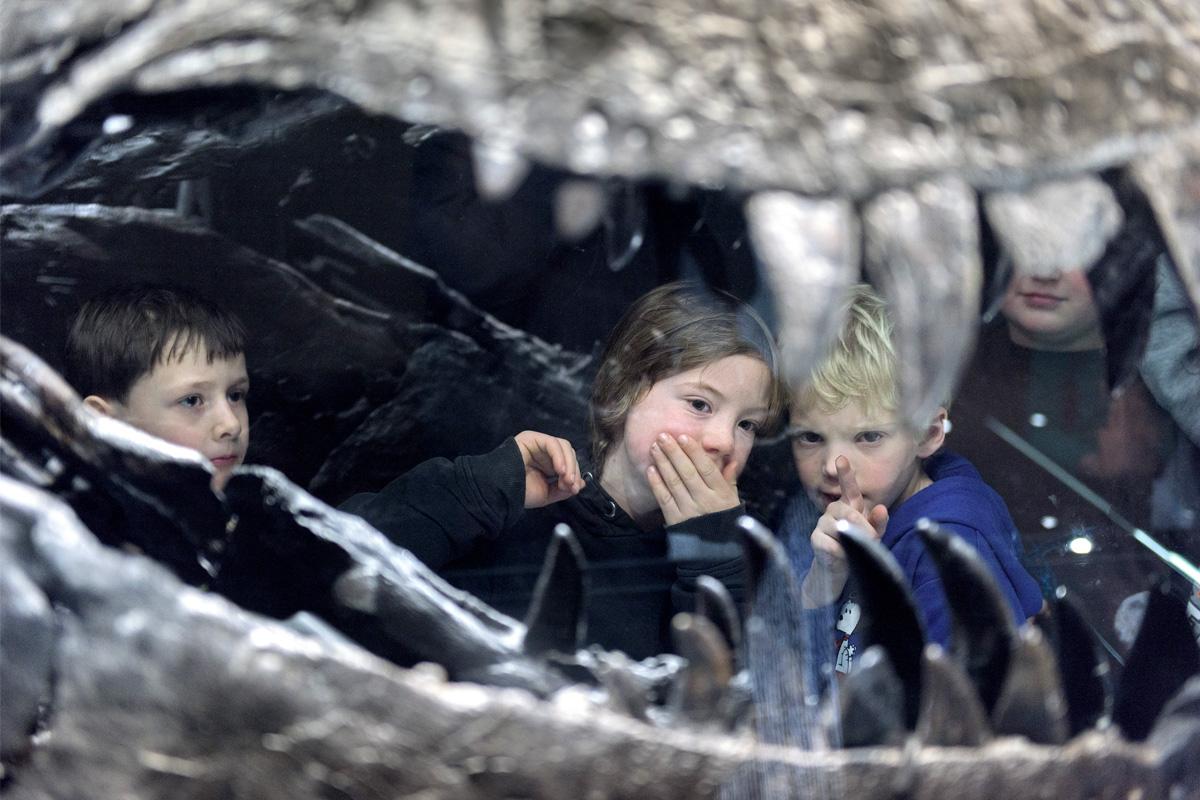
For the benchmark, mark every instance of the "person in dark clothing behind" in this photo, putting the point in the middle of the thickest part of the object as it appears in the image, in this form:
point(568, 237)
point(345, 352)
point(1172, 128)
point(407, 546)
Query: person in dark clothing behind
point(686, 382)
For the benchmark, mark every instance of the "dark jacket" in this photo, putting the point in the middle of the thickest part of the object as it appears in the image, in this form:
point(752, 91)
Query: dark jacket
point(465, 518)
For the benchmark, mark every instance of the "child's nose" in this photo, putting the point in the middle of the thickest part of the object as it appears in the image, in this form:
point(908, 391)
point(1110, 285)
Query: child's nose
point(717, 439)
point(829, 465)
point(227, 423)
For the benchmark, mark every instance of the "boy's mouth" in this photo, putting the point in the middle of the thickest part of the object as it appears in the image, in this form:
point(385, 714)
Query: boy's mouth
point(224, 461)
point(1041, 301)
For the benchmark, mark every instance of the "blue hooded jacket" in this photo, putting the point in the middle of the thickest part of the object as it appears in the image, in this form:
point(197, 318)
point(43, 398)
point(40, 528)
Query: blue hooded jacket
point(960, 502)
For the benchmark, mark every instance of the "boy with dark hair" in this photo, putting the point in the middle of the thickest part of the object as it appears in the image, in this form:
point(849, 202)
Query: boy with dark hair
point(169, 362)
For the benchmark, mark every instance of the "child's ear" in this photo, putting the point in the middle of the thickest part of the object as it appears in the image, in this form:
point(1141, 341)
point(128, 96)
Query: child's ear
point(98, 403)
point(935, 434)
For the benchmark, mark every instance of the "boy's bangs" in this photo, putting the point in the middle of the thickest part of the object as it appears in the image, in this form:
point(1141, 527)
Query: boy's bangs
point(175, 346)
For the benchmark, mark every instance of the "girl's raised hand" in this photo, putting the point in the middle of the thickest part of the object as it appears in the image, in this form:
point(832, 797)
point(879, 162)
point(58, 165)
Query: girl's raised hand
point(685, 481)
point(551, 468)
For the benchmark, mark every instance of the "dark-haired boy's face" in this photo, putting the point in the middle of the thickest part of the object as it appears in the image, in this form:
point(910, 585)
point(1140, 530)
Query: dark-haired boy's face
point(194, 403)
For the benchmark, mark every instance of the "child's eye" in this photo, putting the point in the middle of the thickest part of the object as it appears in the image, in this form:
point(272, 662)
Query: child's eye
point(871, 437)
point(749, 426)
point(806, 437)
point(237, 395)
point(700, 405)
point(191, 401)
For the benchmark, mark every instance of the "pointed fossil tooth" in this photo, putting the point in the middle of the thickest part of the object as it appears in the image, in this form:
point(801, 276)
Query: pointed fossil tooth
point(775, 643)
point(890, 617)
point(1175, 739)
point(1170, 178)
point(922, 251)
point(982, 630)
point(1085, 671)
point(871, 703)
point(701, 692)
point(714, 602)
point(579, 206)
point(1163, 656)
point(810, 252)
point(1055, 226)
point(951, 714)
point(766, 561)
point(1031, 702)
point(556, 619)
point(499, 169)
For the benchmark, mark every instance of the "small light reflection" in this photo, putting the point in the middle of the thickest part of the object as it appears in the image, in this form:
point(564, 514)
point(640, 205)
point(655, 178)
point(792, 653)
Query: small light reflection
point(1080, 545)
point(1049, 523)
point(1037, 420)
point(116, 124)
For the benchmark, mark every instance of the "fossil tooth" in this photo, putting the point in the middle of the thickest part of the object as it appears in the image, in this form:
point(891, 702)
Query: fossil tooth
point(714, 602)
point(774, 636)
point(1170, 178)
point(982, 630)
point(1163, 656)
point(499, 169)
point(1056, 226)
point(810, 251)
point(890, 617)
point(951, 714)
point(1176, 737)
point(1085, 671)
point(871, 703)
point(922, 251)
point(579, 207)
point(557, 619)
point(702, 689)
point(1031, 702)
point(766, 562)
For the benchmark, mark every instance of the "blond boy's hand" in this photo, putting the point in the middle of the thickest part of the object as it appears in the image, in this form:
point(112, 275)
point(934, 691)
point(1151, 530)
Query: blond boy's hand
point(825, 581)
point(551, 468)
point(685, 481)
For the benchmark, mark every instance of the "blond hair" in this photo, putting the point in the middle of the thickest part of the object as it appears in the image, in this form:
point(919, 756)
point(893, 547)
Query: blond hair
point(862, 363)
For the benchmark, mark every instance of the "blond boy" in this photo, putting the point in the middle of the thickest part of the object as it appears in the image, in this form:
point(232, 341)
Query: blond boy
point(860, 464)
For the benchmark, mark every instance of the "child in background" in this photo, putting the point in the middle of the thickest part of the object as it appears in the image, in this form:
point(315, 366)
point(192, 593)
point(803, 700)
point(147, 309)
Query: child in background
point(169, 362)
point(859, 463)
point(686, 382)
